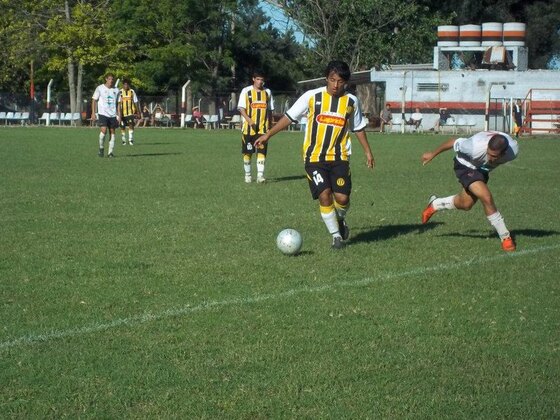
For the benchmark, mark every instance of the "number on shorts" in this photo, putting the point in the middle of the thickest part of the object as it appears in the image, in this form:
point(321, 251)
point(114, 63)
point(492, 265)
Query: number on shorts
point(317, 178)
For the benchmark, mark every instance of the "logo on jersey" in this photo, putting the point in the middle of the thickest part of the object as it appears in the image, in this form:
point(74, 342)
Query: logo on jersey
point(331, 119)
point(340, 182)
point(258, 105)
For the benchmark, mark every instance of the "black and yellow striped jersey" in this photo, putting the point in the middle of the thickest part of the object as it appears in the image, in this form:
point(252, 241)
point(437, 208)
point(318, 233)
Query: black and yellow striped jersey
point(258, 104)
point(128, 102)
point(329, 122)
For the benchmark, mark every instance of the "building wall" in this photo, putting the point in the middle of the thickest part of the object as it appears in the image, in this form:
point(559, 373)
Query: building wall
point(463, 93)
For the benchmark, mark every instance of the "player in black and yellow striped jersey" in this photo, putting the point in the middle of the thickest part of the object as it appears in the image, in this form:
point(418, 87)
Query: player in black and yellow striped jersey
point(332, 113)
point(255, 106)
point(128, 110)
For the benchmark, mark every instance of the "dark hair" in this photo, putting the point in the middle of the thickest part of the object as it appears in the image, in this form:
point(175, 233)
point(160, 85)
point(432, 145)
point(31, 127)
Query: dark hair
point(498, 143)
point(340, 68)
point(126, 81)
point(109, 75)
point(258, 73)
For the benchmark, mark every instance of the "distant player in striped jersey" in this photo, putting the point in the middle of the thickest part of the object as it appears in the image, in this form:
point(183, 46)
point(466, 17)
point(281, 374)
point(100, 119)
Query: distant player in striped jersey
point(332, 114)
point(475, 157)
point(255, 106)
point(128, 111)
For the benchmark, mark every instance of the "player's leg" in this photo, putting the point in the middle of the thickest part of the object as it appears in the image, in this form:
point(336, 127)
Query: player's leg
point(102, 131)
point(122, 127)
point(341, 206)
point(113, 124)
point(341, 183)
point(462, 201)
point(131, 131)
point(261, 157)
point(482, 192)
point(247, 150)
point(319, 185)
point(329, 216)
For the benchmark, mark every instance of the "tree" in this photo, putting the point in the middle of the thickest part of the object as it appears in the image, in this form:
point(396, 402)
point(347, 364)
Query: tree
point(77, 37)
point(365, 33)
point(56, 36)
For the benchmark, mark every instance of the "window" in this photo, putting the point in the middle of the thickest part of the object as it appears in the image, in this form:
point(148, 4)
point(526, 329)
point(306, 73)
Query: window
point(432, 87)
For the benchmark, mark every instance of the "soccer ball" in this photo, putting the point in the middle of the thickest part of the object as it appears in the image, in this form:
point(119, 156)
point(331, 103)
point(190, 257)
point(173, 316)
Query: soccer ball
point(289, 241)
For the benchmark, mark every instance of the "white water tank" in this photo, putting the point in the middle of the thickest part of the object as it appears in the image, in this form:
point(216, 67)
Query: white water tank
point(448, 36)
point(492, 34)
point(469, 35)
point(514, 34)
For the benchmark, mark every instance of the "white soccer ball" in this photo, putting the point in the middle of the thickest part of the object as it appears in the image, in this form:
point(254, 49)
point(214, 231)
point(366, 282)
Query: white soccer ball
point(289, 241)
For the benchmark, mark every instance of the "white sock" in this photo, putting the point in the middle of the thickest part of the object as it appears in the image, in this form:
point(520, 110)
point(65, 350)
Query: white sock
point(260, 167)
point(130, 136)
point(123, 136)
point(445, 203)
point(328, 215)
point(112, 143)
point(101, 140)
point(497, 221)
point(247, 165)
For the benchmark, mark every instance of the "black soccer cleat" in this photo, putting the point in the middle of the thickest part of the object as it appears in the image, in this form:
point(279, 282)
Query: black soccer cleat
point(343, 229)
point(337, 243)
point(101, 152)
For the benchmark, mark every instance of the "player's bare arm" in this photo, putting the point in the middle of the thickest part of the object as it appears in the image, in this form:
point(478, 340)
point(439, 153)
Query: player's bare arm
point(279, 126)
point(246, 117)
point(446, 145)
point(362, 138)
point(93, 110)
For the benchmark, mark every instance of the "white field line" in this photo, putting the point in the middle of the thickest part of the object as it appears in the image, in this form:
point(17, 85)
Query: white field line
point(35, 338)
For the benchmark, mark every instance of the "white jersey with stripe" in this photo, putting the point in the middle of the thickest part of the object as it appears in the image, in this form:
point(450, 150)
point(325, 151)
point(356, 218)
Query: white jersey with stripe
point(106, 100)
point(471, 151)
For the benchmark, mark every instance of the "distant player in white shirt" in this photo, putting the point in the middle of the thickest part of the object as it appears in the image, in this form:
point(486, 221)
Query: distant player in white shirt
point(475, 157)
point(104, 110)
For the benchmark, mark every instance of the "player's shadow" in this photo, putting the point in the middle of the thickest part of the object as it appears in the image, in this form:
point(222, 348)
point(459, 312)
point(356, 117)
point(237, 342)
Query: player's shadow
point(150, 154)
point(286, 178)
point(385, 232)
point(532, 233)
point(303, 253)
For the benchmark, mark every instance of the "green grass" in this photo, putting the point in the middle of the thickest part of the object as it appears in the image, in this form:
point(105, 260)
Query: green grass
point(150, 286)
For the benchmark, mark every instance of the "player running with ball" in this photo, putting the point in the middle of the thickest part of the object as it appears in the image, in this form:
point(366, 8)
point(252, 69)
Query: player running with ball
point(332, 114)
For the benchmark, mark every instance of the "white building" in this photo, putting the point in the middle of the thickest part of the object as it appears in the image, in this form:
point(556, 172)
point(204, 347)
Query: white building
point(477, 99)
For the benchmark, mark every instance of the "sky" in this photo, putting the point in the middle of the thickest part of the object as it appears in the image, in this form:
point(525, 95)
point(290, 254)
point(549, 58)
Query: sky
point(280, 20)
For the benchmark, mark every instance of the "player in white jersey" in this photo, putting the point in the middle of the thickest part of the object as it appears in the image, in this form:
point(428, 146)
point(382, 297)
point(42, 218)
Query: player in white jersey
point(104, 110)
point(475, 157)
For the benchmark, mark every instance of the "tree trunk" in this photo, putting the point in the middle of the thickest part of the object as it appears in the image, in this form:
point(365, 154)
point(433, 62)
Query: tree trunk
point(79, 102)
point(72, 83)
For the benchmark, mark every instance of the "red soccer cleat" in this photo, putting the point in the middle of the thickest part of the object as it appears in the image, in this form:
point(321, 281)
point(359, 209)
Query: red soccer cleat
point(508, 245)
point(429, 211)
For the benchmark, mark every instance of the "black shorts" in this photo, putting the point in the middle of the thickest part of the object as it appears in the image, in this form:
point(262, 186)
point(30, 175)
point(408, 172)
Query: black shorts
point(248, 145)
point(329, 175)
point(128, 121)
point(109, 122)
point(467, 176)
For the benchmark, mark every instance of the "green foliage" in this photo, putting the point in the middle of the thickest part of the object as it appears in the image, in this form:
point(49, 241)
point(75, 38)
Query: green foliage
point(80, 37)
point(366, 33)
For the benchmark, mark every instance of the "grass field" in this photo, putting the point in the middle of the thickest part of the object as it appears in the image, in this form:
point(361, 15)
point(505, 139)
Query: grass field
point(150, 286)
